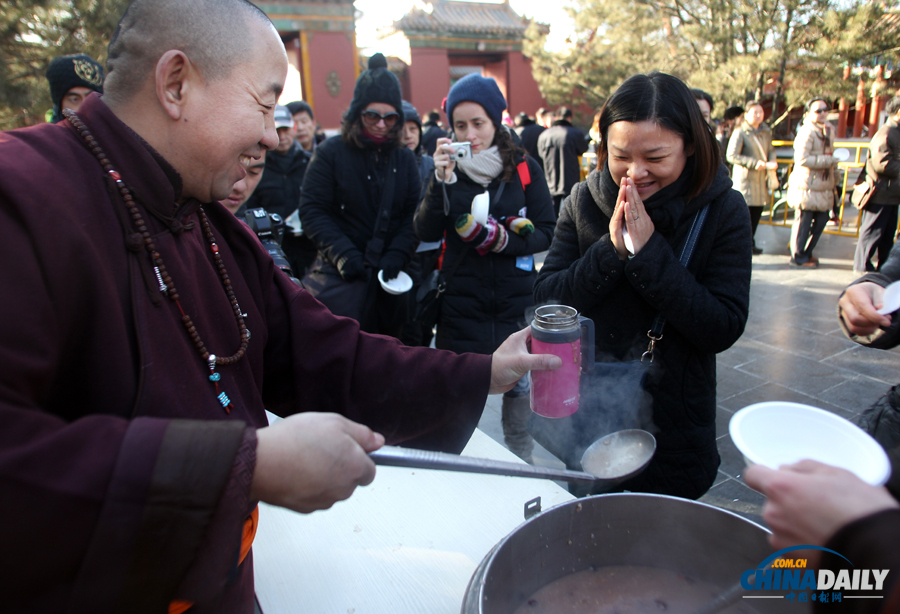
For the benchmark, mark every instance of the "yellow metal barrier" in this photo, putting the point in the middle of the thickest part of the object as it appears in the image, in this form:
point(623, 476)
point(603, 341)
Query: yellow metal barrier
point(779, 207)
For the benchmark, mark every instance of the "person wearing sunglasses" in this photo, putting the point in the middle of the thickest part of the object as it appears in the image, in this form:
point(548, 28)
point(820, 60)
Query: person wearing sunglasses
point(359, 197)
point(811, 185)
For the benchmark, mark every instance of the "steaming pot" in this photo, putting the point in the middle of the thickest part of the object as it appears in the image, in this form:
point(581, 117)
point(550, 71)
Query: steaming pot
point(707, 543)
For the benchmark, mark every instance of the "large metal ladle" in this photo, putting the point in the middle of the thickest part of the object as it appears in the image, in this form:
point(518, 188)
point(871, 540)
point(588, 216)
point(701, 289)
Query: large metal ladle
point(609, 460)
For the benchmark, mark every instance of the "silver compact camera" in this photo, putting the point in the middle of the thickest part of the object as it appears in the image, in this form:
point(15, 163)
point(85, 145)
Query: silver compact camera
point(461, 151)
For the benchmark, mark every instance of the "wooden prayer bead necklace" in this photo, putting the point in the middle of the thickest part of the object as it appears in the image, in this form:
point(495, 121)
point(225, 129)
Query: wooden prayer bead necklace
point(166, 285)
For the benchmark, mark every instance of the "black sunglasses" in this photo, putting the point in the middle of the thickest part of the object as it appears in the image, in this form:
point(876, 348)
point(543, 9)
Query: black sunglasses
point(371, 118)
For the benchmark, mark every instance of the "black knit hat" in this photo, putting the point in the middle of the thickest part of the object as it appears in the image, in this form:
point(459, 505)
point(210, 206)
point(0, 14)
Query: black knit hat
point(411, 115)
point(68, 71)
point(377, 84)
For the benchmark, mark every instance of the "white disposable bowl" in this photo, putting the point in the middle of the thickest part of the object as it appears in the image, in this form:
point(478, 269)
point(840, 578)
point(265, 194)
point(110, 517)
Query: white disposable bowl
point(778, 433)
point(400, 284)
point(481, 204)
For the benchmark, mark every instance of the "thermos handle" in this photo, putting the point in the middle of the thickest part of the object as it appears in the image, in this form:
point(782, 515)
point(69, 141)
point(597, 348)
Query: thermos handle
point(587, 344)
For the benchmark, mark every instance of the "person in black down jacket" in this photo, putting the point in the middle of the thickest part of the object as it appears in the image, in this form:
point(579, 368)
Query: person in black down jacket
point(342, 196)
point(560, 146)
point(425, 260)
point(490, 265)
point(658, 166)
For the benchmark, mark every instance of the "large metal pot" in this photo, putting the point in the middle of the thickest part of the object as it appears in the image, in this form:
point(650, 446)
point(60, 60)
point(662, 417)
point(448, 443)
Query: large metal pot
point(705, 542)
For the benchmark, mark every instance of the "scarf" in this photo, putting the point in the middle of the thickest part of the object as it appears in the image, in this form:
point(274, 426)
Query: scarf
point(378, 140)
point(664, 207)
point(484, 167)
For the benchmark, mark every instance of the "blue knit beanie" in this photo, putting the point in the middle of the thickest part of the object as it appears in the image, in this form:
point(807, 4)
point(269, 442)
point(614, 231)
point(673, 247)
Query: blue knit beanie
point(483, 90)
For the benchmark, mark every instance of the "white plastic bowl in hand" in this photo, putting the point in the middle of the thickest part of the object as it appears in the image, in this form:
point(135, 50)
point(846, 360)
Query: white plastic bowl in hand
point(779, 433)
point(400, 284)
point(481, 204)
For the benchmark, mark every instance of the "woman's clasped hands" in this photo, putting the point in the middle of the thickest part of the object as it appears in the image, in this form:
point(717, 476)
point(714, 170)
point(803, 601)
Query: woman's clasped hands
point(629, 217)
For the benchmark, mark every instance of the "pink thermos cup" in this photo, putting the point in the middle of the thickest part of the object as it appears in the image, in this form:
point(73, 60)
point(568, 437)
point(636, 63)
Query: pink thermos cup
point(559, 330)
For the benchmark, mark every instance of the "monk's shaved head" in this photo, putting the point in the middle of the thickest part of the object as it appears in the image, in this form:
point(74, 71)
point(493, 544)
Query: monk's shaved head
point(214, 34)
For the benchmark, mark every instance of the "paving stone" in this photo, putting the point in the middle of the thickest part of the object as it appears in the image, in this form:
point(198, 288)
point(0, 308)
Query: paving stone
point(737, 497)
point(877, 364)
point(803, 342)
point(744, 351)
point(796, 372)
point(730, 382)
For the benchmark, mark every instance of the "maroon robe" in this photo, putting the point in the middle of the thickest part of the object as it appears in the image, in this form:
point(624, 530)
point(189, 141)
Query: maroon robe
point(123, 483)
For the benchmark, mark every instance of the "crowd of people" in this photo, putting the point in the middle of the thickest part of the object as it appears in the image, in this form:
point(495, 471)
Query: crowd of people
point(135, 440)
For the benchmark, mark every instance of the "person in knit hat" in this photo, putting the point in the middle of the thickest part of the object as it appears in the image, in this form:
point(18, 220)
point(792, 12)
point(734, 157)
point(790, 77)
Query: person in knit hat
point(72, 78)
point(424, 261)
point(488, 263)
point(359, 197)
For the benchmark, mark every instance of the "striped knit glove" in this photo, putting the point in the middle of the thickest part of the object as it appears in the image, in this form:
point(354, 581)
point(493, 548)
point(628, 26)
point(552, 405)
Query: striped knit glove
point(522, 226)
point(491, 237)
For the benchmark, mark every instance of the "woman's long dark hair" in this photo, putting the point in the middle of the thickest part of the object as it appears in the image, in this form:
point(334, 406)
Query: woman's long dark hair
point(668, 102)
point(510, 153)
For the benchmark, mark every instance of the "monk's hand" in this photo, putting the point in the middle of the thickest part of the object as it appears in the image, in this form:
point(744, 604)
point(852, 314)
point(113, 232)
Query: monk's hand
point(309, 461)
point(858, 307)
point(512, 361)
point(808, 502)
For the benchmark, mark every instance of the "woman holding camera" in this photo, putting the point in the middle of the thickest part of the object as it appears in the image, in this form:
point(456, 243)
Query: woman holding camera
point(488, 262)
point(359, 197)
point(659, 168)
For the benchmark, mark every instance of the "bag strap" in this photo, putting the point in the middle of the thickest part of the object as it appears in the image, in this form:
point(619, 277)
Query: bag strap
point(687, 251)
point(376, 244)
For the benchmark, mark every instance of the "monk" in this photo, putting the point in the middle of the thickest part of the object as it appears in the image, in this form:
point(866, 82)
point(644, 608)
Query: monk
point(143, 330)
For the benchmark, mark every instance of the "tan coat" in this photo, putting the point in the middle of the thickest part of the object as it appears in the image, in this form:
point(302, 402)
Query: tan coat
point(811, 185)
point(743, 152)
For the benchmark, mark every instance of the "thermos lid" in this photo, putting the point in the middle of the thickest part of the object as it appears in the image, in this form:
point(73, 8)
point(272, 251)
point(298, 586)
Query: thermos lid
point(555, 317)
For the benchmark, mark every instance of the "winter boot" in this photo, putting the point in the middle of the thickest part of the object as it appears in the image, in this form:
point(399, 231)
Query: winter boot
point(515, 414)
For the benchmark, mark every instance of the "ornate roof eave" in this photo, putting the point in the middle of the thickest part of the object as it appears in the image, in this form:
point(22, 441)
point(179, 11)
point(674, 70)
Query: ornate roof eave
point(321, 15)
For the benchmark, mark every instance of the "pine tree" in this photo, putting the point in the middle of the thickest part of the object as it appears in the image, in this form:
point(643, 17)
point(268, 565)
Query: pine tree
point(33, 32)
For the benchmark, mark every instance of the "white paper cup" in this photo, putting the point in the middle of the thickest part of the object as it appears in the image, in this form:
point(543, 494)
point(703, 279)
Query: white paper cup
point(480, 206)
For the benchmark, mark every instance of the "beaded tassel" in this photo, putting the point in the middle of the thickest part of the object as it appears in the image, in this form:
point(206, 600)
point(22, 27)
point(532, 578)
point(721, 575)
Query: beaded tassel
point(166, 285)
point(214, 378)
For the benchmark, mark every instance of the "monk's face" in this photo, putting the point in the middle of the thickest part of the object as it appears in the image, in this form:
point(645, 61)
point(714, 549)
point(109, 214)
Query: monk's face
point(229, 122)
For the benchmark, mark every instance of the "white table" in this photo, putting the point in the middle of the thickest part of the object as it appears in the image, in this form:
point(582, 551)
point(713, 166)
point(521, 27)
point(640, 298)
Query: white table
point(407, 543)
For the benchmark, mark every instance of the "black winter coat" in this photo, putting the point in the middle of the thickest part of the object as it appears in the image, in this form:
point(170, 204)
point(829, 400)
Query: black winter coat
point(560, 145)
point(486, 296)
point(530, 135)
point(342, 196)
point(705, 308)
point(279, 188)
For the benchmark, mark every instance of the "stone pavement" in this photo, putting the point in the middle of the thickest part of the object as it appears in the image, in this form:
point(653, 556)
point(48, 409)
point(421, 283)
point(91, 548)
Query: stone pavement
point(792, 350)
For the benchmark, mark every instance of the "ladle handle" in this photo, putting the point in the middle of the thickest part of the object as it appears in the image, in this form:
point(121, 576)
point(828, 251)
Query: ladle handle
point(392, 456)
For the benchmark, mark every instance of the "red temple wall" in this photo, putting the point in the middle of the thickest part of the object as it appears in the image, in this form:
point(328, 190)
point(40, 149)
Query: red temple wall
point(429, 78)
point(329, 51)
point(524, 93)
